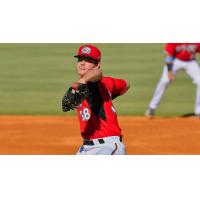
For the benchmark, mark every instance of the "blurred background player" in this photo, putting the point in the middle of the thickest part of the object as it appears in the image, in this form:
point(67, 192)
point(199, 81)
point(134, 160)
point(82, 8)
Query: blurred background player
point(97, 116)
point(179, 56)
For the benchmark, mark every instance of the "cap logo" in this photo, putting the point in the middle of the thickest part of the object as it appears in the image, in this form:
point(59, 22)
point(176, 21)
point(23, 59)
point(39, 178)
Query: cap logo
point(86, 50)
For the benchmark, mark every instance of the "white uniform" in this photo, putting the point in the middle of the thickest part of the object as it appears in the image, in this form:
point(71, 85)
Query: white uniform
point(191, 67)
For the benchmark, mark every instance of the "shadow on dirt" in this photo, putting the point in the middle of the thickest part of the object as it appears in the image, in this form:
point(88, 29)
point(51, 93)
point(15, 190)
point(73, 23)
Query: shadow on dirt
point(188, 115)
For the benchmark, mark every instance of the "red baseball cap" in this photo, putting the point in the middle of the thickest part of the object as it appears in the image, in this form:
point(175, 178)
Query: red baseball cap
point(89, 51)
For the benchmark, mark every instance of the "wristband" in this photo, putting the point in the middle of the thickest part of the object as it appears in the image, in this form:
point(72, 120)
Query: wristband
point(169, 66)
point(169, 59)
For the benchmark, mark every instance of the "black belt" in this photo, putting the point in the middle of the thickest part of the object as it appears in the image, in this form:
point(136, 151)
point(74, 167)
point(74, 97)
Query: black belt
point(101, 141)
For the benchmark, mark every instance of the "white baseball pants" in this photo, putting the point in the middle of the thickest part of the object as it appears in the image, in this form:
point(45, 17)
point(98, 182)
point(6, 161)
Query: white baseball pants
point(191, 68)
point(112, 146)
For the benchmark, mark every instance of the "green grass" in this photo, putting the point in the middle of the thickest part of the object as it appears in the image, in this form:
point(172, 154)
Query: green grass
point(34, 77)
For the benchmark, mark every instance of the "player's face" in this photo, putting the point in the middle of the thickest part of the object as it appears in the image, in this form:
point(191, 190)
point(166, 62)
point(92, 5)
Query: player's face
point(85, 64)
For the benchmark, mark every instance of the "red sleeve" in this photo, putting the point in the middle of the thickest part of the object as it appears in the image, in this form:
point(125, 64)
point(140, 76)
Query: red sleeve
point(170, 49)
point(120, 87)
point(116, 86)
point(198, 50)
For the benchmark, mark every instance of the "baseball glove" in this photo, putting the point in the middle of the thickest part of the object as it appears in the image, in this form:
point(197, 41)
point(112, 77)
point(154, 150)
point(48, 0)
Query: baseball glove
point(74, 97)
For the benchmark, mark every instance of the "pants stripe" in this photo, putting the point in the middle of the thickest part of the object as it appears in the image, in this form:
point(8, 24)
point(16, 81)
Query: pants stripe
point(114, 149)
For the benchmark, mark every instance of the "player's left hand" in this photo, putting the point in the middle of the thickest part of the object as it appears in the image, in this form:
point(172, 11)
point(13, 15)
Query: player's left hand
point(171, 75)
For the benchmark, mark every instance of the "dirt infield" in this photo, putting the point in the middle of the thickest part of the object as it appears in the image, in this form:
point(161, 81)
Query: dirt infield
point(60, 135)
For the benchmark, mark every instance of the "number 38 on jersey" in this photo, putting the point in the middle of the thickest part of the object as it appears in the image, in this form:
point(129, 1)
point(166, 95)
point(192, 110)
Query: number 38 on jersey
point(85, 114)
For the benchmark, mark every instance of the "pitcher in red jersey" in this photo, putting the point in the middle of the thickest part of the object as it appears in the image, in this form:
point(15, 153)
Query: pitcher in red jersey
point(178, 56)
point(97, 116)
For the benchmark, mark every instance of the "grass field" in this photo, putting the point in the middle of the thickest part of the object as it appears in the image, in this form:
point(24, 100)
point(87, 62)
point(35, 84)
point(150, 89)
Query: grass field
point(34, 77)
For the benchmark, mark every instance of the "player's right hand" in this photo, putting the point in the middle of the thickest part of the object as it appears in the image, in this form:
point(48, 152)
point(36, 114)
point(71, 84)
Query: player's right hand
point(171, 75)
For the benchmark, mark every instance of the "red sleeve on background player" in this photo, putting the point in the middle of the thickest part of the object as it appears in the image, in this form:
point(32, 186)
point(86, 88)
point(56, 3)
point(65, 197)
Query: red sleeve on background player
point(198, 49)
point(170, 49)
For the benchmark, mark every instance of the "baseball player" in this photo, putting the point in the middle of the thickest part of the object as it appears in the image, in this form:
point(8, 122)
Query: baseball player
point(96, 114)
point(178, 56)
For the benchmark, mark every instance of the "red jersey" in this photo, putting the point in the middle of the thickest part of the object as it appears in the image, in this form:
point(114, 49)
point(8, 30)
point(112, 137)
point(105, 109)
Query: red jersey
point(182, 51)
point(96, 114)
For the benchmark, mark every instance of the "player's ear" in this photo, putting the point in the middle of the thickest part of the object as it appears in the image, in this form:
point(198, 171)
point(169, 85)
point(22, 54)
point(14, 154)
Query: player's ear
point(98, 65)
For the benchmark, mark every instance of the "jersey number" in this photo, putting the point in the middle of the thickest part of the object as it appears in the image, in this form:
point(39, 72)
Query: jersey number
point(85, 114)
